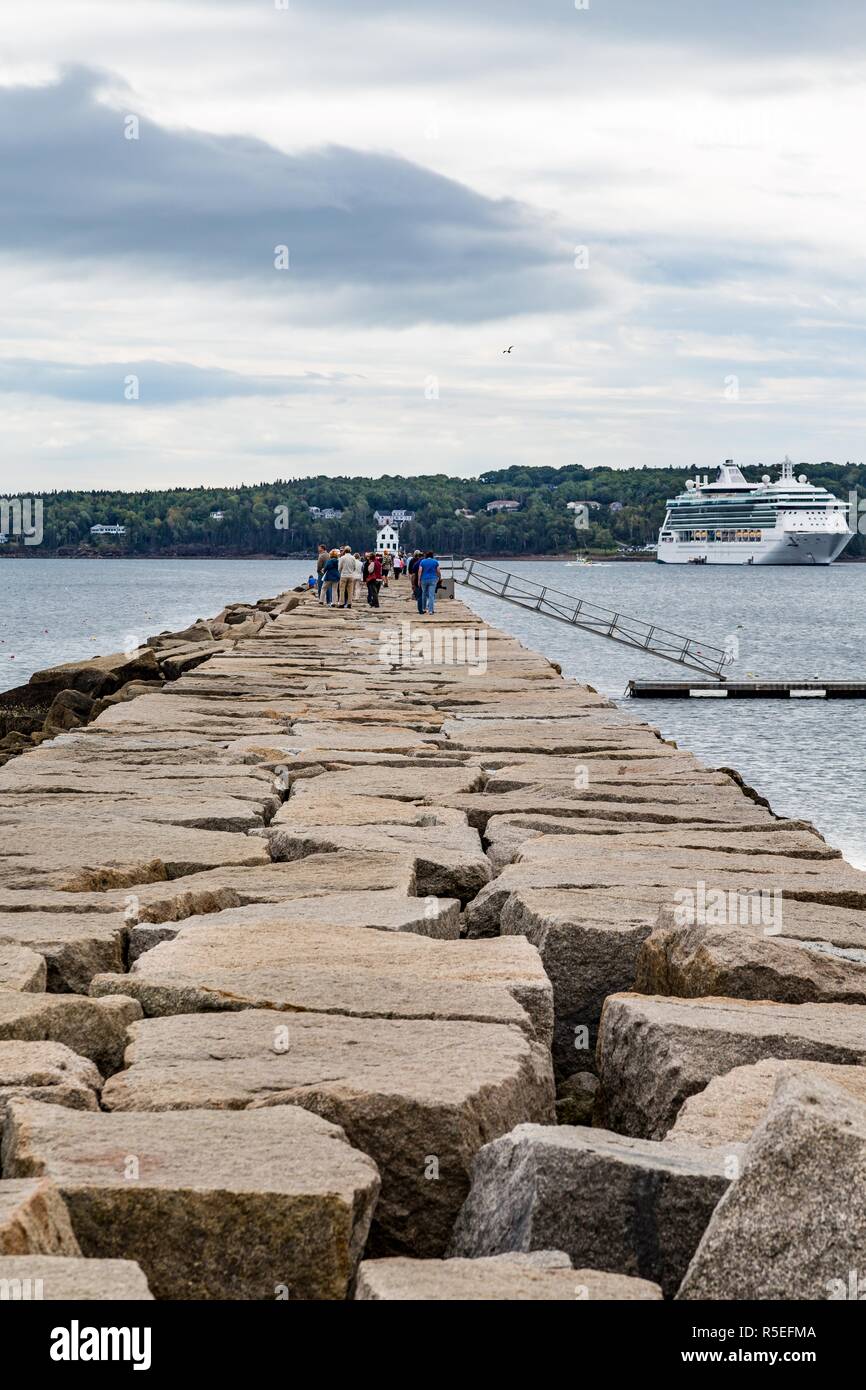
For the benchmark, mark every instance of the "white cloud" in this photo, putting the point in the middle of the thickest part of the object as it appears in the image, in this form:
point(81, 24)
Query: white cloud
point(705, 155)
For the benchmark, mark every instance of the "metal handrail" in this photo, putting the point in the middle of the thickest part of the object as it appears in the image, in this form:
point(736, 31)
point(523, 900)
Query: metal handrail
point(590, 617)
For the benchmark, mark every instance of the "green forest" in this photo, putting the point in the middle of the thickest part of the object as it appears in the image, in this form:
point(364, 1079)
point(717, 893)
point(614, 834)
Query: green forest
point(274, 518)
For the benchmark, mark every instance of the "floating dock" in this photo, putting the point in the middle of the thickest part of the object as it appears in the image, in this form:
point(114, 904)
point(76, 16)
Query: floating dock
point(748, 690)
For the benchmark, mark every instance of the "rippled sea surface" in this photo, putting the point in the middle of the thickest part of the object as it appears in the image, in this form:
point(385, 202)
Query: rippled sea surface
point(62, 610)
point(808, 757)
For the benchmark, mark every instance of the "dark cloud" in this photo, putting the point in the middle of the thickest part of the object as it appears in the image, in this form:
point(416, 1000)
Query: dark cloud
point(386, 240)
point(158, 383)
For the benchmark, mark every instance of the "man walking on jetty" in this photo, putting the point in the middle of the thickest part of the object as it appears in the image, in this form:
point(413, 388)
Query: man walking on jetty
point(412, 571)
point(321, 561)
point(428, 576)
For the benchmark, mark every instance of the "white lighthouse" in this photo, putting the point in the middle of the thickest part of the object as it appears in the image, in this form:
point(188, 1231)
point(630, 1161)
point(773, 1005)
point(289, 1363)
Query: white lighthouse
point(387, 537)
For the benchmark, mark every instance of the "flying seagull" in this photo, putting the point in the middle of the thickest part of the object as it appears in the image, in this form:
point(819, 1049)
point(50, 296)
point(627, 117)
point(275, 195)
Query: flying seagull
point(508, 349)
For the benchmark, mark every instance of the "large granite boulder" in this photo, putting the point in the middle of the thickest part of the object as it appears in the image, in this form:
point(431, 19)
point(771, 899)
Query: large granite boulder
point(743, 962)
point(728, 1110)
point(448, 859)
point(542, 1276)
point(211, 1204)
point(654, 1052)
point(34, 1219)
point(319, 968)
point(794, 1225)
point(101, 675)
point(420, 1097)
point(47, 1071)
point(71, 1279)
point(589, 944)
point(21, 968)
point(94, 1028)
point(71, 946)
point(628, 1206)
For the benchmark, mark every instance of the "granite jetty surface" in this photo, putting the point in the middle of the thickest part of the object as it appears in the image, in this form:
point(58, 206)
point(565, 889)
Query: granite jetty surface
point(354, 954)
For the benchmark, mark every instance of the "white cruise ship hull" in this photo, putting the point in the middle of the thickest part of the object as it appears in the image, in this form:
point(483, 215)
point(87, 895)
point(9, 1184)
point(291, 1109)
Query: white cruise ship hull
point(775, 548)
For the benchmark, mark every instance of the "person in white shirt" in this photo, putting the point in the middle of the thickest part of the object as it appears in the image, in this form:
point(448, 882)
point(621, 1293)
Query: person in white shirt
point(359, 576)
point(347, 579)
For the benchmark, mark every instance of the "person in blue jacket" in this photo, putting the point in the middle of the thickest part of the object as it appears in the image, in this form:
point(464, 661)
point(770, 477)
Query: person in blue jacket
point(428, 578)
point(330, 579)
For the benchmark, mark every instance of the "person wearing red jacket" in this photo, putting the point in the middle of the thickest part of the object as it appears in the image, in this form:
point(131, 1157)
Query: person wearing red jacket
point(374, 580)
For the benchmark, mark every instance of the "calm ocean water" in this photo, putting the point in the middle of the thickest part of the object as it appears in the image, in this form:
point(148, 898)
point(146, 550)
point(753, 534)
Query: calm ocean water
point(807, 757)
point(61, 610)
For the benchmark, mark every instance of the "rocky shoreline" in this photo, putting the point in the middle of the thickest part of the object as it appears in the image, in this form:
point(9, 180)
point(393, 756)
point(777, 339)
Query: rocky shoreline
point(327, 973)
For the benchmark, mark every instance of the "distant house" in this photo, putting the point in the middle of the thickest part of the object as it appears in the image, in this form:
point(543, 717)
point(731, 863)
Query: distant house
point(399, 517)
point(108, 530)
point(325, 513)
point(615, 507)
point(388, 538)
point(503, 505)
point(578, 506)
point(463, 511)
point(217, 516)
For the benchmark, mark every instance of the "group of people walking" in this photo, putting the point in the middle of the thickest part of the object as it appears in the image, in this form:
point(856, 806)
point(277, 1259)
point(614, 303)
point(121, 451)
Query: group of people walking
point(340, 574)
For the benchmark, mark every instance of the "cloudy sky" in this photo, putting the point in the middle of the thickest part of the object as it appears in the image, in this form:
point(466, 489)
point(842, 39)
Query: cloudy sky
point(242, 240)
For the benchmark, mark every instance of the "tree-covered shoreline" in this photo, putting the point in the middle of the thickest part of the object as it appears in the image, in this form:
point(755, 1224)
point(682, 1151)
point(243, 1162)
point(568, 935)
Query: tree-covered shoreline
point(625, 508)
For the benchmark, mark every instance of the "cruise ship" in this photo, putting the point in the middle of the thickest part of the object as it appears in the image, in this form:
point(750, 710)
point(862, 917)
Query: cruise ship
point(734, 522)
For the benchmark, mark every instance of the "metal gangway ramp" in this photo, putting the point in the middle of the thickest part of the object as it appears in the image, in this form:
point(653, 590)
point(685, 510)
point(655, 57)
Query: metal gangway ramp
point(590, 617)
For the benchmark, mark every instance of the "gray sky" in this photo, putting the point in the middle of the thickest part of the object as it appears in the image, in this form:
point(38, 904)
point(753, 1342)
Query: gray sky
point(659, 205)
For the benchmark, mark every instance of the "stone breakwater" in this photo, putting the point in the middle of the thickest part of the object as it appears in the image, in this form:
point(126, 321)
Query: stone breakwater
point(65, 697)
point(330, 974)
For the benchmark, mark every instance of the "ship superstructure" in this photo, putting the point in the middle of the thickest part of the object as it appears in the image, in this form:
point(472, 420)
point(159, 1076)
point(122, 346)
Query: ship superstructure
point(734, 522)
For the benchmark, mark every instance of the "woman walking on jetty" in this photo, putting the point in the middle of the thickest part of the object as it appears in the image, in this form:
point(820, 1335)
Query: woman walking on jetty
point(374, 580)
point(330, 579)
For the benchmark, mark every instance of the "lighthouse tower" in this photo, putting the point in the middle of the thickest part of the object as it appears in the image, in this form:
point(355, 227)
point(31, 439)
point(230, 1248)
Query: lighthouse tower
point(387, 537)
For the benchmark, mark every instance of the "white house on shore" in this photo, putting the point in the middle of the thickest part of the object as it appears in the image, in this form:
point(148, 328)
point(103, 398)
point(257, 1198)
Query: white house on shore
point(388, 538)
point(108, 530)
